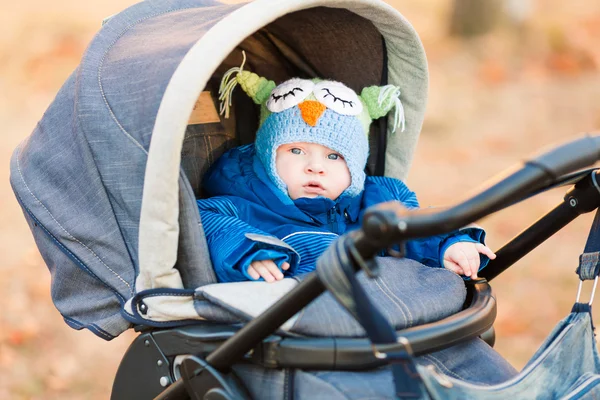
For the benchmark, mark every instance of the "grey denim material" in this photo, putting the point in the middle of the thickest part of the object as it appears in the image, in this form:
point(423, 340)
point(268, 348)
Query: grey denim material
point(589, 265)
point(566, 366)
point(80, 173)
point(482, 366)
point(406, 292)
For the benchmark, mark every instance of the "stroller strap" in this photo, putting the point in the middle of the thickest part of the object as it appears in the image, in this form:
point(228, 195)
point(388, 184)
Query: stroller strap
point(337, 274)
point(566, 366)
point(589, 261)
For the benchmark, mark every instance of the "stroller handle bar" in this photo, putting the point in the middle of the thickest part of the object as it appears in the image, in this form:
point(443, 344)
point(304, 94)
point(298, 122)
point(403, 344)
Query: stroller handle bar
point(391, 223)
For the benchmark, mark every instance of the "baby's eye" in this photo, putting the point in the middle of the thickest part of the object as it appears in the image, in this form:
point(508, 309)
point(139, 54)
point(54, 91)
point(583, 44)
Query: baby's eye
point(296, 150)
point(334, 156)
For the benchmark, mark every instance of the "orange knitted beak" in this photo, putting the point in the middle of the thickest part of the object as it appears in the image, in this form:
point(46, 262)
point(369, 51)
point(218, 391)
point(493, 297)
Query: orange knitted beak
point(311, 111)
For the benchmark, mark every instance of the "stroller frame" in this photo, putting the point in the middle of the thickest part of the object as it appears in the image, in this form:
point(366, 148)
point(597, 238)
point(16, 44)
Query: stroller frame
point(216, 348)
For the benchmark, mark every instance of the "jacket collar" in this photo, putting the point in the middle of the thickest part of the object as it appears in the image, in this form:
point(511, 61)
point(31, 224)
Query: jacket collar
point(240, 173)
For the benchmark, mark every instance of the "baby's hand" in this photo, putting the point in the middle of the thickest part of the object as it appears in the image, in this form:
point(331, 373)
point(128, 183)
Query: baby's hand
point(267, 269)
point(463, 258)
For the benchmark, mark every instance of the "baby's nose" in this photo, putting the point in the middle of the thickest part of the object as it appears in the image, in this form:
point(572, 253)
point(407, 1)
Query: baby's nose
point(315, 168)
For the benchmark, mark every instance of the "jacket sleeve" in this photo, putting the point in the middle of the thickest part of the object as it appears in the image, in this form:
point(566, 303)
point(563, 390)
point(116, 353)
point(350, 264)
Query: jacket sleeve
point(430, 251)
point(234, 245)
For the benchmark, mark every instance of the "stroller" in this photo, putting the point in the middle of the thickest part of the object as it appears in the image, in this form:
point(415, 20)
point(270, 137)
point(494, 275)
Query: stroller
point(108, 182)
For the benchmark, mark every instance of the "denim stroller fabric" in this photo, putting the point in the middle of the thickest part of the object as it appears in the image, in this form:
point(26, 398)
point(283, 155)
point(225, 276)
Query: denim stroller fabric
point(406, 292)
point(566, 366)
point(79, 176)
point(483, 366)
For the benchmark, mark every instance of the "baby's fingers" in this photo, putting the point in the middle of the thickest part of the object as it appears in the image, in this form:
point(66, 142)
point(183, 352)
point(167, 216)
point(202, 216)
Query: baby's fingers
point(270, 271)
point(274, 269)
point(454, 267)
point(483, 249)
point(473, 266)
point(465, 264)
point(253, 272)
point(264, 271)
point(285, 266)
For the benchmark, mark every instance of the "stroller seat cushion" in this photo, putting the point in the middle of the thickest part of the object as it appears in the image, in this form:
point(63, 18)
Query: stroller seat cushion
point(407, 293)
point(246, 300)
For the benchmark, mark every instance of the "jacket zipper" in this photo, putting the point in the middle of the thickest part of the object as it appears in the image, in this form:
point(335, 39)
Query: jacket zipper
point(332, 220)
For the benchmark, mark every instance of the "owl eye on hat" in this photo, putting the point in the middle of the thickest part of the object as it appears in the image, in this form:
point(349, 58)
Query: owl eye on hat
point(314, 111)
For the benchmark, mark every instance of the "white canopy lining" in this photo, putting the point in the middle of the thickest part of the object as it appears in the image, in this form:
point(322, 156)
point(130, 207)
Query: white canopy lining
point(159, 227)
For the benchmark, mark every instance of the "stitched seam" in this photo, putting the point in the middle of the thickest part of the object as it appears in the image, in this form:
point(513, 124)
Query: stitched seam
point(392, 300)
point(207, 151)
point(73, 256)
point(77, 122)
point(148, 322)
point(286, 379)
point(92, 327)
point(98, 331)
point(64, 230)
point(110, 111)
point(410, 316)
point(100, 68)
point(166, 294)
point(309, 232)
point(201, 135)
point(212, 159)
point(72, 321)
point(441, 366)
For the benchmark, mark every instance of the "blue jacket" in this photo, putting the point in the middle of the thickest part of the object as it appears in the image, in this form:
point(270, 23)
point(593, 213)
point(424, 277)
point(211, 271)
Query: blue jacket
point(247, 218)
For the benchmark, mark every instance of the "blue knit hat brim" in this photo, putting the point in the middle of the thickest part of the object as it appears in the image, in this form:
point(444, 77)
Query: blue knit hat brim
point(342, 134)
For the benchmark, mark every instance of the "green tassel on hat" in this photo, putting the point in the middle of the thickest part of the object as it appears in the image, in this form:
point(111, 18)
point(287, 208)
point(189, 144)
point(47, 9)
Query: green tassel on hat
point(257, 87)
point(380, 100)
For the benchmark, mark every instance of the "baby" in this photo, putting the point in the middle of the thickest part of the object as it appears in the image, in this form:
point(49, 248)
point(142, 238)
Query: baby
point(276, 205)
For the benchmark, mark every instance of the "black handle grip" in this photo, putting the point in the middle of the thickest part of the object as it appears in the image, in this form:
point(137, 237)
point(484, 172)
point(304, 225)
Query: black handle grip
point(570, 157)
point(390, 222)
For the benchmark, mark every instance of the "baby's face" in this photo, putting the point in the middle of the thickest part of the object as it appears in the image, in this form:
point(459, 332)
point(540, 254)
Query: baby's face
point(312, 170)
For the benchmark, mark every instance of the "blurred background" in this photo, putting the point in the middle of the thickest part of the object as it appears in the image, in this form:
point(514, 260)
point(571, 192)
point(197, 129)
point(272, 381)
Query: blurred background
point(508, 77)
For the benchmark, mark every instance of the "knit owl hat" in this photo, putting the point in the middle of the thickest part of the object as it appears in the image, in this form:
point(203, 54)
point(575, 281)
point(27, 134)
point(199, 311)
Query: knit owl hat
point(313, 111)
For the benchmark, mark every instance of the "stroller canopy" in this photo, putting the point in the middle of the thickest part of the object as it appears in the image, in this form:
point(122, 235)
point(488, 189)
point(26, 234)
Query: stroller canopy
point(101, 178)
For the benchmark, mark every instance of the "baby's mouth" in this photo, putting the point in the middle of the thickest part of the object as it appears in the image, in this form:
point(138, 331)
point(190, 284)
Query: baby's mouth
point(314, 187)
